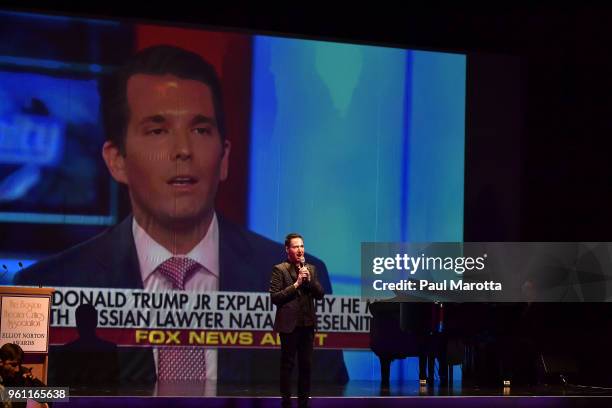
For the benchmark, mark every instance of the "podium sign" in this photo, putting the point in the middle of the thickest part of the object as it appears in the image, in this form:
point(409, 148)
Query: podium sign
point(24, 321)
point(24, 317)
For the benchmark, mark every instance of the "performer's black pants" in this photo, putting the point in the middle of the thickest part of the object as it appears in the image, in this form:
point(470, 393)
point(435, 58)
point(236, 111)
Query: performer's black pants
point(299, 340)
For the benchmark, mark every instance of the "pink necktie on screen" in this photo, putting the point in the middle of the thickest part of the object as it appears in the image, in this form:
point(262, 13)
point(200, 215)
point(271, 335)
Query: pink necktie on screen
point(177, 269)
point(180, 363)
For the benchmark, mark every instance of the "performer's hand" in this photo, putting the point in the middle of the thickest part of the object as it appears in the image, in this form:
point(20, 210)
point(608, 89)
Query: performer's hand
point(304, 274)
point(27, 373)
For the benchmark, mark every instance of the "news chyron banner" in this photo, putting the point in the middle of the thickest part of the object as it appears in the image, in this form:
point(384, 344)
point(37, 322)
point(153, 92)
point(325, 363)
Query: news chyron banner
point(131, 317)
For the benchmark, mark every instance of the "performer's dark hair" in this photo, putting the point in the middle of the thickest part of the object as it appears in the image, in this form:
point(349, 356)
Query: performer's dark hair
point(290, 236)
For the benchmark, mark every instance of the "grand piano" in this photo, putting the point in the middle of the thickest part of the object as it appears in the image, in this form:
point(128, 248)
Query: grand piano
point(399, 330)
point(492, 342)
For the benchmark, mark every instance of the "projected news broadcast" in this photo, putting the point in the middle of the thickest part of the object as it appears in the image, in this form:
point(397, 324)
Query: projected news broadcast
point(123, 145)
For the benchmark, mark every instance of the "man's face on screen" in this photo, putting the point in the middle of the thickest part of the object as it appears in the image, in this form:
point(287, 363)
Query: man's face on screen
point(175, 157)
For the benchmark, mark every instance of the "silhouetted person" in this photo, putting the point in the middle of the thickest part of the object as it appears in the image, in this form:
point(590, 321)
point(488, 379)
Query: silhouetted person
point(89, 361)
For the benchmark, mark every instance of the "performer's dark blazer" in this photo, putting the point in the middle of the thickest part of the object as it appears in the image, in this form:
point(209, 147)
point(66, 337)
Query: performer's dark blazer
point(109, 260)
point(286, 297)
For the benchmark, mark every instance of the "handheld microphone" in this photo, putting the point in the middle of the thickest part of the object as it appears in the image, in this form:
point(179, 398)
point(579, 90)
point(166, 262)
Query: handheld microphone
point(302, 263)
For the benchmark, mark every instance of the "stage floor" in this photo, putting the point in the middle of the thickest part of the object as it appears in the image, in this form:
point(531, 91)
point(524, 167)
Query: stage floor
point(354, 389)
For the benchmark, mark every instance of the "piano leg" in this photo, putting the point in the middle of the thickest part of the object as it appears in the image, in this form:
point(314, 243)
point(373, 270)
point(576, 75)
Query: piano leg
point(436, 348)
point(442, 358)
point(422, 366)
point(431, 359)
point(385, 371)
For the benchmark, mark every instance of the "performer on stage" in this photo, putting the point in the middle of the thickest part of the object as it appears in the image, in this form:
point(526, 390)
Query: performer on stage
point(293, 288)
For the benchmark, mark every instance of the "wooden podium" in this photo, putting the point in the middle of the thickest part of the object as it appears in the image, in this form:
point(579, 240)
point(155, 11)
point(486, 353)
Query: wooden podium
point(24, 320)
